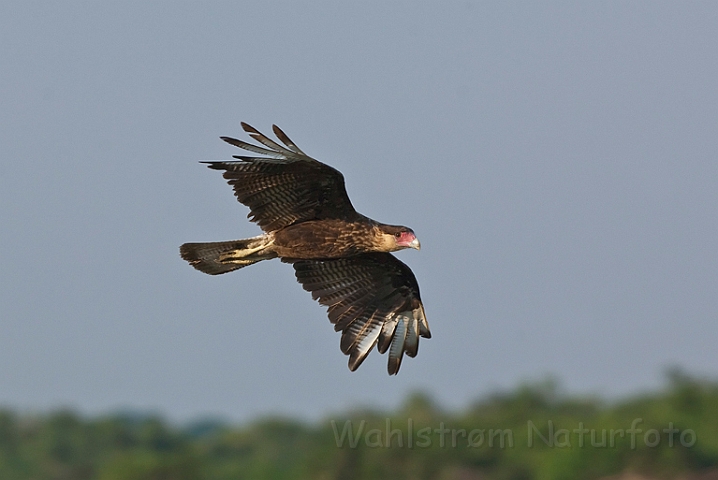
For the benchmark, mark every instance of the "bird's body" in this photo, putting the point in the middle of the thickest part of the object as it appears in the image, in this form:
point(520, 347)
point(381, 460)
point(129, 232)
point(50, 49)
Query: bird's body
point(339, 255)
point(332, 238)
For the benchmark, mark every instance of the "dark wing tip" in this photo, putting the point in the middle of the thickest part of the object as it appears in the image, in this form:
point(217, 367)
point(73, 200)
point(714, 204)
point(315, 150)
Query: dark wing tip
point(248, 128)
point(393, 366)
point(215, 165)
point(353, 364)
point(286, 140)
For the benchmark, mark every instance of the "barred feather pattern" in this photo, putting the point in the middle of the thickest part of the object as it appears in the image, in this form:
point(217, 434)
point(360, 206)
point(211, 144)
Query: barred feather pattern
point(373, 299)
point(216, 258)
point(285, 186)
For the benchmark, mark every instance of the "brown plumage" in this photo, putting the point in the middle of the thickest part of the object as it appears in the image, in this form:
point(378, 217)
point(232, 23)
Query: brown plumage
point(339, 255)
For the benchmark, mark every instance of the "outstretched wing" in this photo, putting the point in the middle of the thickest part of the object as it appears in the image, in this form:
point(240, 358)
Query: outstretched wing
point(373, 299)
point(285, 185)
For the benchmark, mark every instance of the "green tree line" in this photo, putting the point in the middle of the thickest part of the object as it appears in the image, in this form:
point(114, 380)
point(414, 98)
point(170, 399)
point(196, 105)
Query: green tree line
point(532, 432)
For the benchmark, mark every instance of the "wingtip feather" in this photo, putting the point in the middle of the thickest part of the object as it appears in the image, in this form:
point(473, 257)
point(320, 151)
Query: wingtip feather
point(396, 350)
point(214, 165)
point(248, 128)
point(364, 346)
point(286, 140)
point(411, 345)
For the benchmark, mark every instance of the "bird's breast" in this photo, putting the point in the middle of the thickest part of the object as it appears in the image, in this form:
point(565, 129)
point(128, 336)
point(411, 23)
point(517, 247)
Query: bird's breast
point(323, 239)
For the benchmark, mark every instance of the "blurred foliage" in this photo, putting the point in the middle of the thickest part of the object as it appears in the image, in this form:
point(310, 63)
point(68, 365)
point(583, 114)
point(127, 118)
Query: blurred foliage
point(533, 432)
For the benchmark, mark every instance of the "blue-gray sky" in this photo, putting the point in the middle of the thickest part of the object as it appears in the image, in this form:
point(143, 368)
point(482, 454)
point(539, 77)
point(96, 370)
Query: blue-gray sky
point(558, 162)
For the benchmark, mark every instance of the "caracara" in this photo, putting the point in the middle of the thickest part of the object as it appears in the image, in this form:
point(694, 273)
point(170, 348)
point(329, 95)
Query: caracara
point(338, 254)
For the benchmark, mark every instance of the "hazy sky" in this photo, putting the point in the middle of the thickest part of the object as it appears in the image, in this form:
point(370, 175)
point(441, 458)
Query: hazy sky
point(558, 162)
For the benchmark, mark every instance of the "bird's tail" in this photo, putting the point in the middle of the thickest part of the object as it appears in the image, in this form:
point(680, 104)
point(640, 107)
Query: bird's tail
point(215, 258)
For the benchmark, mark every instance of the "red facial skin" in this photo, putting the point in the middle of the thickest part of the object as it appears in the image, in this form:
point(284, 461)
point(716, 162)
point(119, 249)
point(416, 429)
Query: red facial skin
point(408, 240)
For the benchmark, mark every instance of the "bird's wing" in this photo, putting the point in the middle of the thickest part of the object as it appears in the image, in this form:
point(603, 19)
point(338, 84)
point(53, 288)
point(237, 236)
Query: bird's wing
point(285, 185)
point(373, 298)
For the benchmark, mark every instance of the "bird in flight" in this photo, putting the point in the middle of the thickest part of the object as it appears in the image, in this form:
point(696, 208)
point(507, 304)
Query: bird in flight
point(338, 254)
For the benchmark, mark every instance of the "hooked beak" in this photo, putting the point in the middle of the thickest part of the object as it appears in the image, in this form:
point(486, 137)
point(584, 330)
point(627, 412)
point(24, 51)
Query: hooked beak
point(415, 244)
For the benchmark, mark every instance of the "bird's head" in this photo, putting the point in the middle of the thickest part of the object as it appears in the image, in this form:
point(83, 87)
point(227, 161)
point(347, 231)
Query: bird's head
point(397, 238)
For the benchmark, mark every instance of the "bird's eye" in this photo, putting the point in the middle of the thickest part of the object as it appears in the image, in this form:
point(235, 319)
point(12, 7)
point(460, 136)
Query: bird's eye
point(397, 234)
